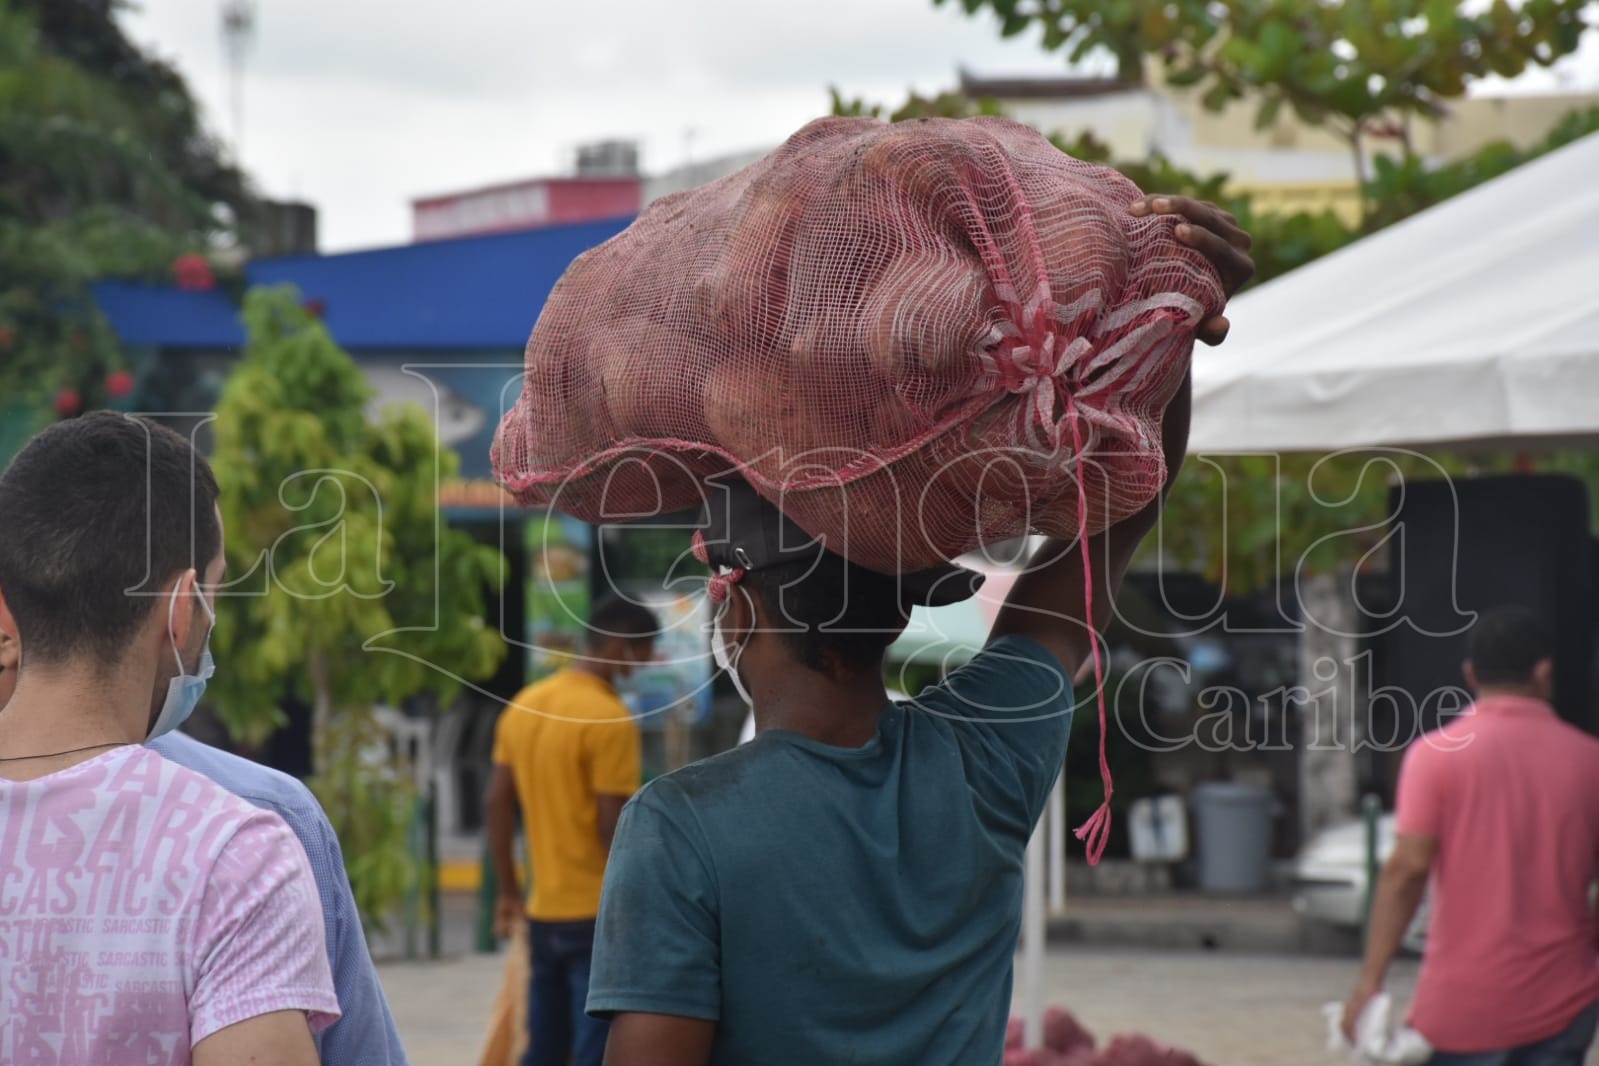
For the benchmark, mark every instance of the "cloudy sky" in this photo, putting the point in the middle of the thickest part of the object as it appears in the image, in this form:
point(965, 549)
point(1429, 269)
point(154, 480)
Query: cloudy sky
point(360, 105)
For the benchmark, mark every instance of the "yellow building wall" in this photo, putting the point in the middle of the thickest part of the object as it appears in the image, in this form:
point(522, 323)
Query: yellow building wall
point(1313, 197)
point(1289, 166)
point(1472, 122)
point(1479, 121)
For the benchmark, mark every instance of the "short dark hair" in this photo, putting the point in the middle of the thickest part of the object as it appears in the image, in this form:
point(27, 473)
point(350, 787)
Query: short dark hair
point(96, 513)
point(1506, 643)
point(833, 614)
point(614, 616)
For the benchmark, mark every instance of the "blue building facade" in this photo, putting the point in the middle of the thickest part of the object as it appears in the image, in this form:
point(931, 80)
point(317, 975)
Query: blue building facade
point(443, 323)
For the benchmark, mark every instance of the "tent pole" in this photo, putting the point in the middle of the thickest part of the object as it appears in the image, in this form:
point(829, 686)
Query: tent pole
point(1055, 819)
point(1033, 945)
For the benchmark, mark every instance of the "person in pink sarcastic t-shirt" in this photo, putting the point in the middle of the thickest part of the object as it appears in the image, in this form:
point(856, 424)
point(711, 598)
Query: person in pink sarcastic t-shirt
point(1500, 808)
point(146, 915)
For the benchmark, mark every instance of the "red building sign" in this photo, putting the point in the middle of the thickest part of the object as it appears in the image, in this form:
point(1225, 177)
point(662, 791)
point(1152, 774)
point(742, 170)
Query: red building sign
point(525, 205)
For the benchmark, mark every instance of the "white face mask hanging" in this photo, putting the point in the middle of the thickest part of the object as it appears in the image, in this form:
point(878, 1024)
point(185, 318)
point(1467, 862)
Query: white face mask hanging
point(729, 660)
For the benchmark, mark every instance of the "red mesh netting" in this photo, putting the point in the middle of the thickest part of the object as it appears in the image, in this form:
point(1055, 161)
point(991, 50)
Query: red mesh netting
point(905, 323)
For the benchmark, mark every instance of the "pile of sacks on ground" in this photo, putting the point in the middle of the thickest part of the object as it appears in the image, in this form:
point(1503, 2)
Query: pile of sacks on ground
point(1067, 1043)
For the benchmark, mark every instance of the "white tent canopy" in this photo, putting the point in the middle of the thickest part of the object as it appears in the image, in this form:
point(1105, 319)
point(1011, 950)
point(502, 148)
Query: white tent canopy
point(1474, 321)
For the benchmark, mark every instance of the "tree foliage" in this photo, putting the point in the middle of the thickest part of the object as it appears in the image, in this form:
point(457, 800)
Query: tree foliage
point(944, 105)
point(360, 592)
point(1353, 63)
point(104, 172)
point(1355, 67)
point(1127, 30)
point(1401, 187)
point(86, 34)
point(347, 590)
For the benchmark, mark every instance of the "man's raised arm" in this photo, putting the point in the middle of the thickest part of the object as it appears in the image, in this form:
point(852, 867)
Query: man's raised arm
point(1050, 602)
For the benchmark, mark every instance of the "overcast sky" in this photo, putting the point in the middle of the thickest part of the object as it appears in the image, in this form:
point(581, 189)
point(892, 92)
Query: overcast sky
point(360, 105)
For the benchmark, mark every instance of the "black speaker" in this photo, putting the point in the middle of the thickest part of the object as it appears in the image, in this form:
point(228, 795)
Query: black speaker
point(1459, 547)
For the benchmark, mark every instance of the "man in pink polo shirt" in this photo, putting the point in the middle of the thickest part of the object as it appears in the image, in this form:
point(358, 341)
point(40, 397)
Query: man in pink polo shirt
point(1500, 808)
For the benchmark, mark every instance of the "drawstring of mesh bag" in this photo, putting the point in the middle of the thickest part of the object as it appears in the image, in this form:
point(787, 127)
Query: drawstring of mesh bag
point(1038, 370)
point(1095, 833)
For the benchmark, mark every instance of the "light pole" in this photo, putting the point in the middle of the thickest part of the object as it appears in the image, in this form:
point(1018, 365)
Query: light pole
point(238, 32)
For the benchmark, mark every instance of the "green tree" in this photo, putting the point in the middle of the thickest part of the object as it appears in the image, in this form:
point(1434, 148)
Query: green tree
point(1365, 66)
point(1354, 67)
point(347, 590)
point(104, 172)
point(944, 105)
point(1127, 30)
point(86, 34)
point(1244, 520)
point(1401, 187)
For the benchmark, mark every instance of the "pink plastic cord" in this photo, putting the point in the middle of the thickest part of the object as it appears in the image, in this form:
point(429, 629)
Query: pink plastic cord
point(720, 582)
point(1096, 831)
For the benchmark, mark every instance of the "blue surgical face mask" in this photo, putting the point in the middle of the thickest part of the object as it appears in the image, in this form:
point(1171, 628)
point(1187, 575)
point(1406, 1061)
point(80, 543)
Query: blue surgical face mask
point(185, 690)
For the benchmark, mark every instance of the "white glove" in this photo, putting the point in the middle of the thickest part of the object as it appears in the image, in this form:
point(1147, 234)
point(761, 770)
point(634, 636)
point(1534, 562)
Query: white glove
point(1377, 1043)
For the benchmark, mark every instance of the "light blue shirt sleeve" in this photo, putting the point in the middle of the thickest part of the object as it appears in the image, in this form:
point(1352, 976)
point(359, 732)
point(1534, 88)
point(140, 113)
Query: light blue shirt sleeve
point(365, 1034)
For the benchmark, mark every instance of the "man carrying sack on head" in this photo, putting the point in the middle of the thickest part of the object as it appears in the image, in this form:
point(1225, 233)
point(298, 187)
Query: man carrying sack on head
point(877, 349)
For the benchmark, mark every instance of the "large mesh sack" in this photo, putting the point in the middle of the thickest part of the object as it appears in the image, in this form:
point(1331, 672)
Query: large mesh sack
point(905, 336)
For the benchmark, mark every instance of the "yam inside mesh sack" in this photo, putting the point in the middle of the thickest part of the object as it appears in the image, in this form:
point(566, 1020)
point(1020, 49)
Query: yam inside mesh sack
point(903, 335)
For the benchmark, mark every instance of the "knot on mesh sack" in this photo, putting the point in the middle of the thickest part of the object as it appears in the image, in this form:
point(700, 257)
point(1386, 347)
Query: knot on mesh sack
point(723, 578)
point(1039, 368)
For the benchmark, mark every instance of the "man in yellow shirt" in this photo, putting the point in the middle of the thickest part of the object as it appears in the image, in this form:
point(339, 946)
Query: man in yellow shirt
point(567, 752)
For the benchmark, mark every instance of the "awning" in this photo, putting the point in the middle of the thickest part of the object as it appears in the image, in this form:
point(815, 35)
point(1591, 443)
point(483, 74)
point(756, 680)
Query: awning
point(1474, 322)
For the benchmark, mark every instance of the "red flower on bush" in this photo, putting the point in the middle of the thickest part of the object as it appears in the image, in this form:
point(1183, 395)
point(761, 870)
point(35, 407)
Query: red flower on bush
point(68, 403)
point(118, 384)
point(193, 273)
point(316, 307)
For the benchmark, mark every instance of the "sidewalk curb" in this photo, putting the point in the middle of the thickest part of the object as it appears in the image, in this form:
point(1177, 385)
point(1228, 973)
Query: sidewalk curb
point(1252, 928)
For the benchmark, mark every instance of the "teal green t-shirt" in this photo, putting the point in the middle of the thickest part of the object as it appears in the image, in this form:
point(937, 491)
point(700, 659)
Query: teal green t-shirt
point(829, 905)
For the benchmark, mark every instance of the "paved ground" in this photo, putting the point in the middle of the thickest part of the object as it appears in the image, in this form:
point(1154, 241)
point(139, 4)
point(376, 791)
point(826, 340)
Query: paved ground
point(1171, 922)
point(1229, 1009)
point(1120, 965)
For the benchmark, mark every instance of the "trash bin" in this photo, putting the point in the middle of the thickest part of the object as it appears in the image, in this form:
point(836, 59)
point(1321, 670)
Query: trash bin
point(1233, 826)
